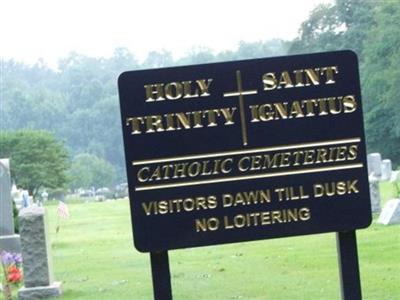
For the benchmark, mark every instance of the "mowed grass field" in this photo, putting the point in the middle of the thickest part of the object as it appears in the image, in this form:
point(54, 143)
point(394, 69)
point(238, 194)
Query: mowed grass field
point(94, 257)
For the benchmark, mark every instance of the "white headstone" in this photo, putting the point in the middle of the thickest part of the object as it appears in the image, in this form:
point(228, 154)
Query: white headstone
point(386, 169)
point(395, 176)
point(390, 213)
point(374, 162)
point(374, 193)
point(8, 240)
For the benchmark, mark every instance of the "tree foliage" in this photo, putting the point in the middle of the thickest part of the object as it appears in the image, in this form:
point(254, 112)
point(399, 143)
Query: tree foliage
point(342, 25)
point(372, 30)
point(89, 171)
point(381, 81)
point(38, 160)
point(79, 101)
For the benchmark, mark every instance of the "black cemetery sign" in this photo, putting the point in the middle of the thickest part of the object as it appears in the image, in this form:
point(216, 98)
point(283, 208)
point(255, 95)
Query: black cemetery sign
point(245, 150)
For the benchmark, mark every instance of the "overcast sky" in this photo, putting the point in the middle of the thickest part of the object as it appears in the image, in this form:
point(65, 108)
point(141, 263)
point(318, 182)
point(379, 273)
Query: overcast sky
point(50, 29)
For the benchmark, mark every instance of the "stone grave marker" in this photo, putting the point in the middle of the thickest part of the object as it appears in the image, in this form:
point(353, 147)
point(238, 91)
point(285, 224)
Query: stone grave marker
point(375, 194)
point(9, 241)
point(37, 260)
point(390, 213)
point(395, 176)
point(386, 169)
point(374, 162)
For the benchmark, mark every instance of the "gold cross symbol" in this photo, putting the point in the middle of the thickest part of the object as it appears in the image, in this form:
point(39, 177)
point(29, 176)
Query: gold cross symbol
point(240, 92)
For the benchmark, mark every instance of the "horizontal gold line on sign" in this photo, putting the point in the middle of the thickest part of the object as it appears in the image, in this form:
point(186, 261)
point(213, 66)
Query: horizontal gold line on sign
point(244, 93)
point(247, 151)
point(248, 177)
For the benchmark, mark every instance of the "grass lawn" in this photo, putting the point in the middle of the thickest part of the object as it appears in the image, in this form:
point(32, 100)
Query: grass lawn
point(94, 258)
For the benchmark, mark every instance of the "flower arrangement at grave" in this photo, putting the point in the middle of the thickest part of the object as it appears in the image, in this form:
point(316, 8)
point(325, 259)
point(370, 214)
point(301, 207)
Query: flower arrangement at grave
point(11, 264)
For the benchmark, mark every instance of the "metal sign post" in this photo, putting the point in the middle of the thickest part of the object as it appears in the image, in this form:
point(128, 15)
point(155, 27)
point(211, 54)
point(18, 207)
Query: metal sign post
point(348, 265)
point(161, 275)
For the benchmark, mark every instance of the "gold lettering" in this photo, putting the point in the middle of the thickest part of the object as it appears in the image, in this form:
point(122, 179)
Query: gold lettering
point(183, 119)
point(154, 92)
point(187, 90)
point(135, 124)
point(341, 154)
point(153, 123)
point(329, 74)
point(140, 175)
point(313, 75)
point(224, 168)
point(170, 122)
point(163, 207)
point(228, 115)
point(241, 162)
point(333, 109)
point(255, 162)
point(212, 114)
point(270, 163)
point(197, 119)
point(351, 186)
point(254, 113)
point(309, 157)
point(269, 81)
point(349, 104)
point(281, 109)
point(321, 156)
point(285, 80)
point(201, 225)
point(318, 190)
point(341, 188)
point(285, 159)
point(180, 170)
point(299, 77)
point(353, 149)
point(310, 104)
point(173, 90)
point(322, 106)
point(204, 86)
point(266, 116)
point(304, 214)
point(296, 110)
point(147, 207)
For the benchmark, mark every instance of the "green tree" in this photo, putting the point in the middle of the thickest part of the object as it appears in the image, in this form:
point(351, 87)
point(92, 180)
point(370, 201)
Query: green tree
point(158, 59)
point(88, 171)
point(79, 101)
point(381, 82)
point(342, 25)
point(38, 159)
point(318, 32)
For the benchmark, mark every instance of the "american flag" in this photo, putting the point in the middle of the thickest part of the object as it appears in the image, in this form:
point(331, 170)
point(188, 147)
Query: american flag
point(62, 210)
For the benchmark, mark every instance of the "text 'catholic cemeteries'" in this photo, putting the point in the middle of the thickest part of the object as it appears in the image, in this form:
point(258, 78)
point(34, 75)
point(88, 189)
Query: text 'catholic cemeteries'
point(246, 150)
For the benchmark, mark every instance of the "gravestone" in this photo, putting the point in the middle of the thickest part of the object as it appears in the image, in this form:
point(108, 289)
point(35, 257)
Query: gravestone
point(375, 193)
point(395, 176)
point(386, 169)
point(9, 241)
point(374, 162)
point(37, 261)
point(390, 213)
